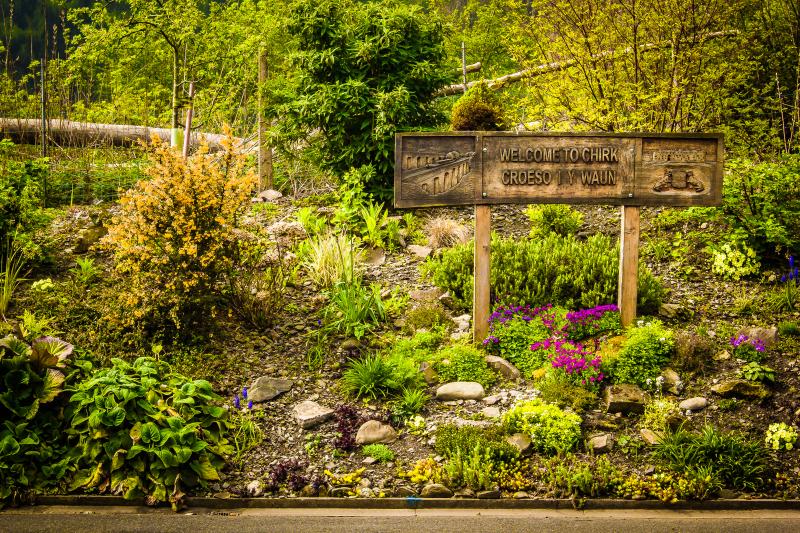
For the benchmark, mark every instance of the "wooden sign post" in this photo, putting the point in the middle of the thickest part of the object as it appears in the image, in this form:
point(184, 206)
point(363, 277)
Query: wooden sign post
point(485, 168)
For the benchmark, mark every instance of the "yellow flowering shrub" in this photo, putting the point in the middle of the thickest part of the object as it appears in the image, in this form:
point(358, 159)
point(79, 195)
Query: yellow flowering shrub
point(173, 237)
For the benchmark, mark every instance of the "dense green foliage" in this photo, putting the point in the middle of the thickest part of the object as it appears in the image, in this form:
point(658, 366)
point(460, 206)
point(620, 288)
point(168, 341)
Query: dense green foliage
point(551, 430)
point(736, 461)
point(365, 71)
point(451, 439)
point(645, 352)
point(553, 218)
point(763, 202)
point(478, 110)
point(33, 453)
point(139, 431)
point(559, 270)
point(465, 363)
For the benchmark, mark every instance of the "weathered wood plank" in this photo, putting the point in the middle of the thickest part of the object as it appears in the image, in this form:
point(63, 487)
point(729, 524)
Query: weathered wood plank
point(463, 168)
point(480, 298)
point(628, 264)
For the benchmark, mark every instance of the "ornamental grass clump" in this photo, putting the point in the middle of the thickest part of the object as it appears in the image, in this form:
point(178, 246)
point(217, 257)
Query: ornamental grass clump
point(174, 236)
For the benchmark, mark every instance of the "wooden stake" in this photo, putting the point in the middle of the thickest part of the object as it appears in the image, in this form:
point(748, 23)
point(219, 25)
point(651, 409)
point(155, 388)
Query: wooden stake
point(264, 151)
point(187, 136)
point(480, 295)
point(628, 264)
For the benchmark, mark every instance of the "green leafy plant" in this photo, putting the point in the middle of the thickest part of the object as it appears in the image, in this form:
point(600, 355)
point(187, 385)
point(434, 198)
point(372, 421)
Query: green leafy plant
point(365, 71)
point(32, 448)
point(410, 403)
point(137, 433)
point(788, 328)
point(738, 462)
point(754, 371)
point(86, 271)
point(780, 436)
point(331, 258)
point(377, 377)
point(551, 430)
point(560, 219)
point(11, 273)
point(646, 350)
point(379, 452)
point(734, 260)
point(450, 439)
point(466, 363)
point(353, 309)
point(559, 270)
point(762, 200)
point(657, 414)
point(312, 222)
point(513, 329)
point(471, 468)
point(374, 219)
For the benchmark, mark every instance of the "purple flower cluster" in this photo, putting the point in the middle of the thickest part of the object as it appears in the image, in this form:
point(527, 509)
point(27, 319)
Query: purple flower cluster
point(756, 343)
point(587, 322)
point(237, 402)
point(574, 359)
point(503, 314)
point(794, 272)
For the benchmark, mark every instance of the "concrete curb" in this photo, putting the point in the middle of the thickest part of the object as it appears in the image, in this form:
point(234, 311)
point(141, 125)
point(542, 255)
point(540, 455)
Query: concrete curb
point(432, 503)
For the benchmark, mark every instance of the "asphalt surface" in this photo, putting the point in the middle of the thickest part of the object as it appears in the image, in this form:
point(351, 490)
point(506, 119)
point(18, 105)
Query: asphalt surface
point(66, 519)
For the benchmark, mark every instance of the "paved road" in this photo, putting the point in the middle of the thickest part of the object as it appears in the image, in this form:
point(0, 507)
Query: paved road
point(134, 519)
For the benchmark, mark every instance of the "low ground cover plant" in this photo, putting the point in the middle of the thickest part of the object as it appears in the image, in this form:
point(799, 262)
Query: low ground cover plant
point(551, 429)
point(646, 350)
point(139, 431)
point(464, 363)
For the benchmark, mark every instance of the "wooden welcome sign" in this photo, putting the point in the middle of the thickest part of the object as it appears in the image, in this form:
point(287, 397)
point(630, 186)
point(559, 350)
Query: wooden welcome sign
point(484, 168)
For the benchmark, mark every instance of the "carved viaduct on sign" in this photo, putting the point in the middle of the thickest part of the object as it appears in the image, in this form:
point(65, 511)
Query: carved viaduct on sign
point(435, 173)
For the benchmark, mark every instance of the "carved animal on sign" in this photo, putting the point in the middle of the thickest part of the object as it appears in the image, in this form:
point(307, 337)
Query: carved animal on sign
point(678, 180)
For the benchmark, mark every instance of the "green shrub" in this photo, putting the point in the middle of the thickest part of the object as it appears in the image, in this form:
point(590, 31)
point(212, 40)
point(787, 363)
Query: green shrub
point(551, 430)
point(421, 347)
point(377, 377)
point(789, 329)
point(646, 350)
point(33, 451)
point(477, 110)
point(466, 364)
point(565, 394)
point(379, 452)
point(560, 219)
point(353, 309)
point(425, 315)
point(738, 462)
point(138, 434)
point(734, 260)
point(513, 329)
point(762, 201)
point(473, 469)
point(657, 414)
point(365, 71)
point(559, 270)
point(491, 440)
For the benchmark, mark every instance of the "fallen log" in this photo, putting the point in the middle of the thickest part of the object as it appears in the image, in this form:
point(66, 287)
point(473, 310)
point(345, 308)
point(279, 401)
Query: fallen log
point(89, 134)
point(557, 66)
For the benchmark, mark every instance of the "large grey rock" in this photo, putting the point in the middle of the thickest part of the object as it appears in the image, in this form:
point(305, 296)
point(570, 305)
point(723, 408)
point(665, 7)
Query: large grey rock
point(88, 237)
point(503, 367)
point(493, 494)
point(420, 295)
point(266, 388)
point(421, 252)
point(600, 443)
point(270, 195)
point(436, 490)
point(672, 382)
point(741, 388)
point(669, 310)
point(460, 390)
point(375, 256)
point(650, 437)
point(373, 431)
point(462, 322)
point(311, 414)
point(491, 412)
point(698, 403)
point(768, 335)
point(520, 441)
point(625, 399)
point(403, 492)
